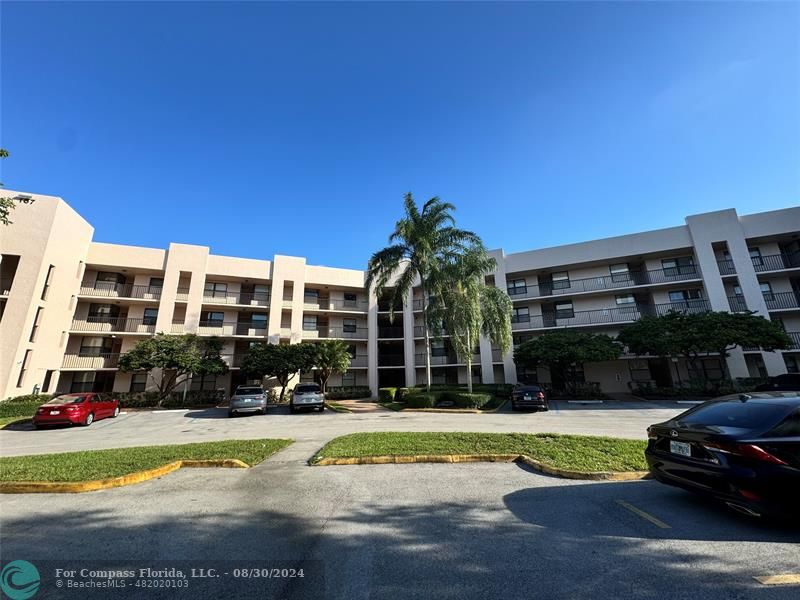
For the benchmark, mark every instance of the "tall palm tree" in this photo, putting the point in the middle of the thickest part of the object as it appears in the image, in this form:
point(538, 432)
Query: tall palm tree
point(467, 307)
point(421, 241)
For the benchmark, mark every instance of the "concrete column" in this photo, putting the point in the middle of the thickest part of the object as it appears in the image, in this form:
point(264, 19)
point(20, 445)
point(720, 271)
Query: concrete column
point(509, 367)
point(372, 343)
point(187, 259)
point(287, 268)
point(408, 339)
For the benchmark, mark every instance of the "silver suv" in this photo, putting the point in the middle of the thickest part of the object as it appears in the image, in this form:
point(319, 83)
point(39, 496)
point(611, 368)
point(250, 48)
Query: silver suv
point(247, 399)
point(307, 395)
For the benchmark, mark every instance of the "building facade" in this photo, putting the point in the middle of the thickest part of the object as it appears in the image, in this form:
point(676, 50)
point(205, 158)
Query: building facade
point(69, 307)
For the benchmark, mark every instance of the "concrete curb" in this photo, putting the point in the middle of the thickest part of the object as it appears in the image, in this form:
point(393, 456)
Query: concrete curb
point(464, 458)
point(72, 487)
point(468, 411)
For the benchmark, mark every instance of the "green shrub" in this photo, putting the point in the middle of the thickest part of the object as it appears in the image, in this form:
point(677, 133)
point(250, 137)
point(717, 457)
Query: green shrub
point(348, 393)
point(422, 400)
point(174, 400)
point(466, 400)
point(501, 390)
point(387, 394)
point(403, 393)
point(40, 398)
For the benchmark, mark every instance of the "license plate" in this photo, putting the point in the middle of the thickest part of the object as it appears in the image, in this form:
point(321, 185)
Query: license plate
point(55, 412)
point(527, 397)
point(681, 448)
point(247, 400)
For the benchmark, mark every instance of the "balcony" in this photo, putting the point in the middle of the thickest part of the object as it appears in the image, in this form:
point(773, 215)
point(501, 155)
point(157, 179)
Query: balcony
point(419, 331)
point(605, 316)
point(5, 286)
point(497, 355)
point(606, 282)
point(448, 359)
point(726, 267)
point(339, 304)
point(782, 300)
point(182, 295)
point(236, 298)
point(121, 290)
point(390, 360)
point(390, 332)
point(358, 362)
point(737, 303)
point(776, 262)
point(225, 328)
point(326, 332)
point(104, 360)
point(103, 324)
point(795, 336)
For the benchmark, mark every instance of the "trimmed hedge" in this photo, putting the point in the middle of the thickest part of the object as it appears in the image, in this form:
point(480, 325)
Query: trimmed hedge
point(422, 400)
point(387, 394)
point(501, 390)
point(348, 393)
point(403, 393)
point(457, 397)
point(40, 398)
point(174, 400)
point(466, 400)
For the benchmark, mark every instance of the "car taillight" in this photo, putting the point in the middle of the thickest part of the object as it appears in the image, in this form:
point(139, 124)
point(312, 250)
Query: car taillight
point(745, 450)
point(540, 396)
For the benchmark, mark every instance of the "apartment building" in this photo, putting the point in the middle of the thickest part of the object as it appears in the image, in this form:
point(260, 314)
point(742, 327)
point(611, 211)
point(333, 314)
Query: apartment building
point(69, 307)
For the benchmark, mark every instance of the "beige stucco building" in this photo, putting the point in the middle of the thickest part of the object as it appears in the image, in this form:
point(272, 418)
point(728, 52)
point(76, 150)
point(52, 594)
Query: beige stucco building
point(70, 306)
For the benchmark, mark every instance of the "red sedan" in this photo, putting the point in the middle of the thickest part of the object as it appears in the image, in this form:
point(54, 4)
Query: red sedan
point(77, 409)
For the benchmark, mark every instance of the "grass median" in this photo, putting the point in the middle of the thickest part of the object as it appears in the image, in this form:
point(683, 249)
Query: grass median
point(103, 464)
point(569, 452)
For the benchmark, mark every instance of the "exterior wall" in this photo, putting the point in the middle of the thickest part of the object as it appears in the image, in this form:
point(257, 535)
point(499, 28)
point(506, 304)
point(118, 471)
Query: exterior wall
point(48, 232)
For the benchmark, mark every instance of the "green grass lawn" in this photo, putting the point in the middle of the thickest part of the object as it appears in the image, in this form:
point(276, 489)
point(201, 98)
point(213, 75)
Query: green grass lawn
point(102, 464)
point(574, 452)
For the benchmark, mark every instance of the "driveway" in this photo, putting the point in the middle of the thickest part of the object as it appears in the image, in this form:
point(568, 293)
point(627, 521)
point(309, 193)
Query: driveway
point(312, 430)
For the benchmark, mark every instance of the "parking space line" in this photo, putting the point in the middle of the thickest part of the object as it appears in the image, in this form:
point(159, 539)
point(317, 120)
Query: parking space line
point(646, 516)
point(785, 579)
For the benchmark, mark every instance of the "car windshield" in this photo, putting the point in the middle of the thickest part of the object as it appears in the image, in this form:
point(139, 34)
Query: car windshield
point(67, 399)
point(738, 414)
point(249, 391)
point(305, 389)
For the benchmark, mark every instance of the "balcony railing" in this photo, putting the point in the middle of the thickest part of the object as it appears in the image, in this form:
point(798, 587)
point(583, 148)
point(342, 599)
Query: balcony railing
point(182, 294)
point(109, 289)
point(357, 362)
point(390, 332)
point(390, 360)
point(448, 359)
point(419, 331)
point(726, 267)
point(232, 328)
point(497, 355)
point(5, 286)
point(105, 360)
point(776, 262)
point(607, 315)
point(779, 300)
point(114, 324)
point(606, 282)
point(795, 337)
point(238, 298)
point(737, 303)
point(335, 304)
point(326, 332)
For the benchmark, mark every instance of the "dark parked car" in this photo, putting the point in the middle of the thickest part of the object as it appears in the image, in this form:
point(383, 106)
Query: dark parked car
point(789, 382)
point(743, 450)
point(76, 409)
point(529, 396)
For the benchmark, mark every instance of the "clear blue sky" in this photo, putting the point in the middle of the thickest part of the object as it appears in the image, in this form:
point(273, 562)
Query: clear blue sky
point(261, 128)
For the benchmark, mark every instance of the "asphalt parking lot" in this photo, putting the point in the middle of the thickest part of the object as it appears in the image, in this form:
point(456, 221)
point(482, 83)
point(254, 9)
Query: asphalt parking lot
point(397, 531)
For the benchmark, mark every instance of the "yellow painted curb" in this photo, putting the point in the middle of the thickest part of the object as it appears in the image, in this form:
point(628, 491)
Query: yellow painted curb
point(463, 458)
point(70, 487)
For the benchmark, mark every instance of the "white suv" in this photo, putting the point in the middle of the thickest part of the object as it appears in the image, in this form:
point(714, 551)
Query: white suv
point(307, 395)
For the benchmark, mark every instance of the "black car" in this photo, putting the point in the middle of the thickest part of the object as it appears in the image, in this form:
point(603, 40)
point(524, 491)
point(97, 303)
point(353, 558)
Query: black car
point(529, 396)
point(789, 382)
point(743, 450)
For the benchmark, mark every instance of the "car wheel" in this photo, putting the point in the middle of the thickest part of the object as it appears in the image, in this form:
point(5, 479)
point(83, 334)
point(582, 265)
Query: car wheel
point(321, 408)
point(545, 408)
point(89, 419)
point(231, 414)
point(116, 413)
point(264, 410)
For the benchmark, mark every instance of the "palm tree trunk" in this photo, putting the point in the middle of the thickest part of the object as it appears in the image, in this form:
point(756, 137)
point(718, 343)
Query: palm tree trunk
point(469, 362)
point(427, 339)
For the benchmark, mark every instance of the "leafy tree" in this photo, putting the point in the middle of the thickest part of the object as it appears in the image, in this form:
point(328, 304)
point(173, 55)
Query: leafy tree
point(563, 351)
point(177, 356)
point(467, 307)
point(330, 356)
point(281, 361)
point(693, 336)
point(421, 240)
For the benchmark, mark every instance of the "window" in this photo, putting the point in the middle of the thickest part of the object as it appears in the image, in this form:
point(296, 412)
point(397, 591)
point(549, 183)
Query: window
point(521, 315)
point(150, 316)
point(620, 273)
point(737, 290)
point(213, 289)
point(138, 382)
point(684, 295)
point(349, 325)
point(24, 367)
point(625, 300)
point(560, 280)
point(102, 313)
point(36, 321)
point(516, 287)
point(350, 299)
point(156, 283)
point(47, 281)
point(48, 376)
point(683, 265)
point(766, 290)
point(348, 379)
point(82, 381)
point(438, 348)
point(95, 346)
point(109, 281)
point(351, 350)
point(755, 256)
point(743, 415)
point(564, 310)
point(207, 383)
point(309, 322)
point(311, 294)
point(791, 363)
point(212, 319)
point(258, 321)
